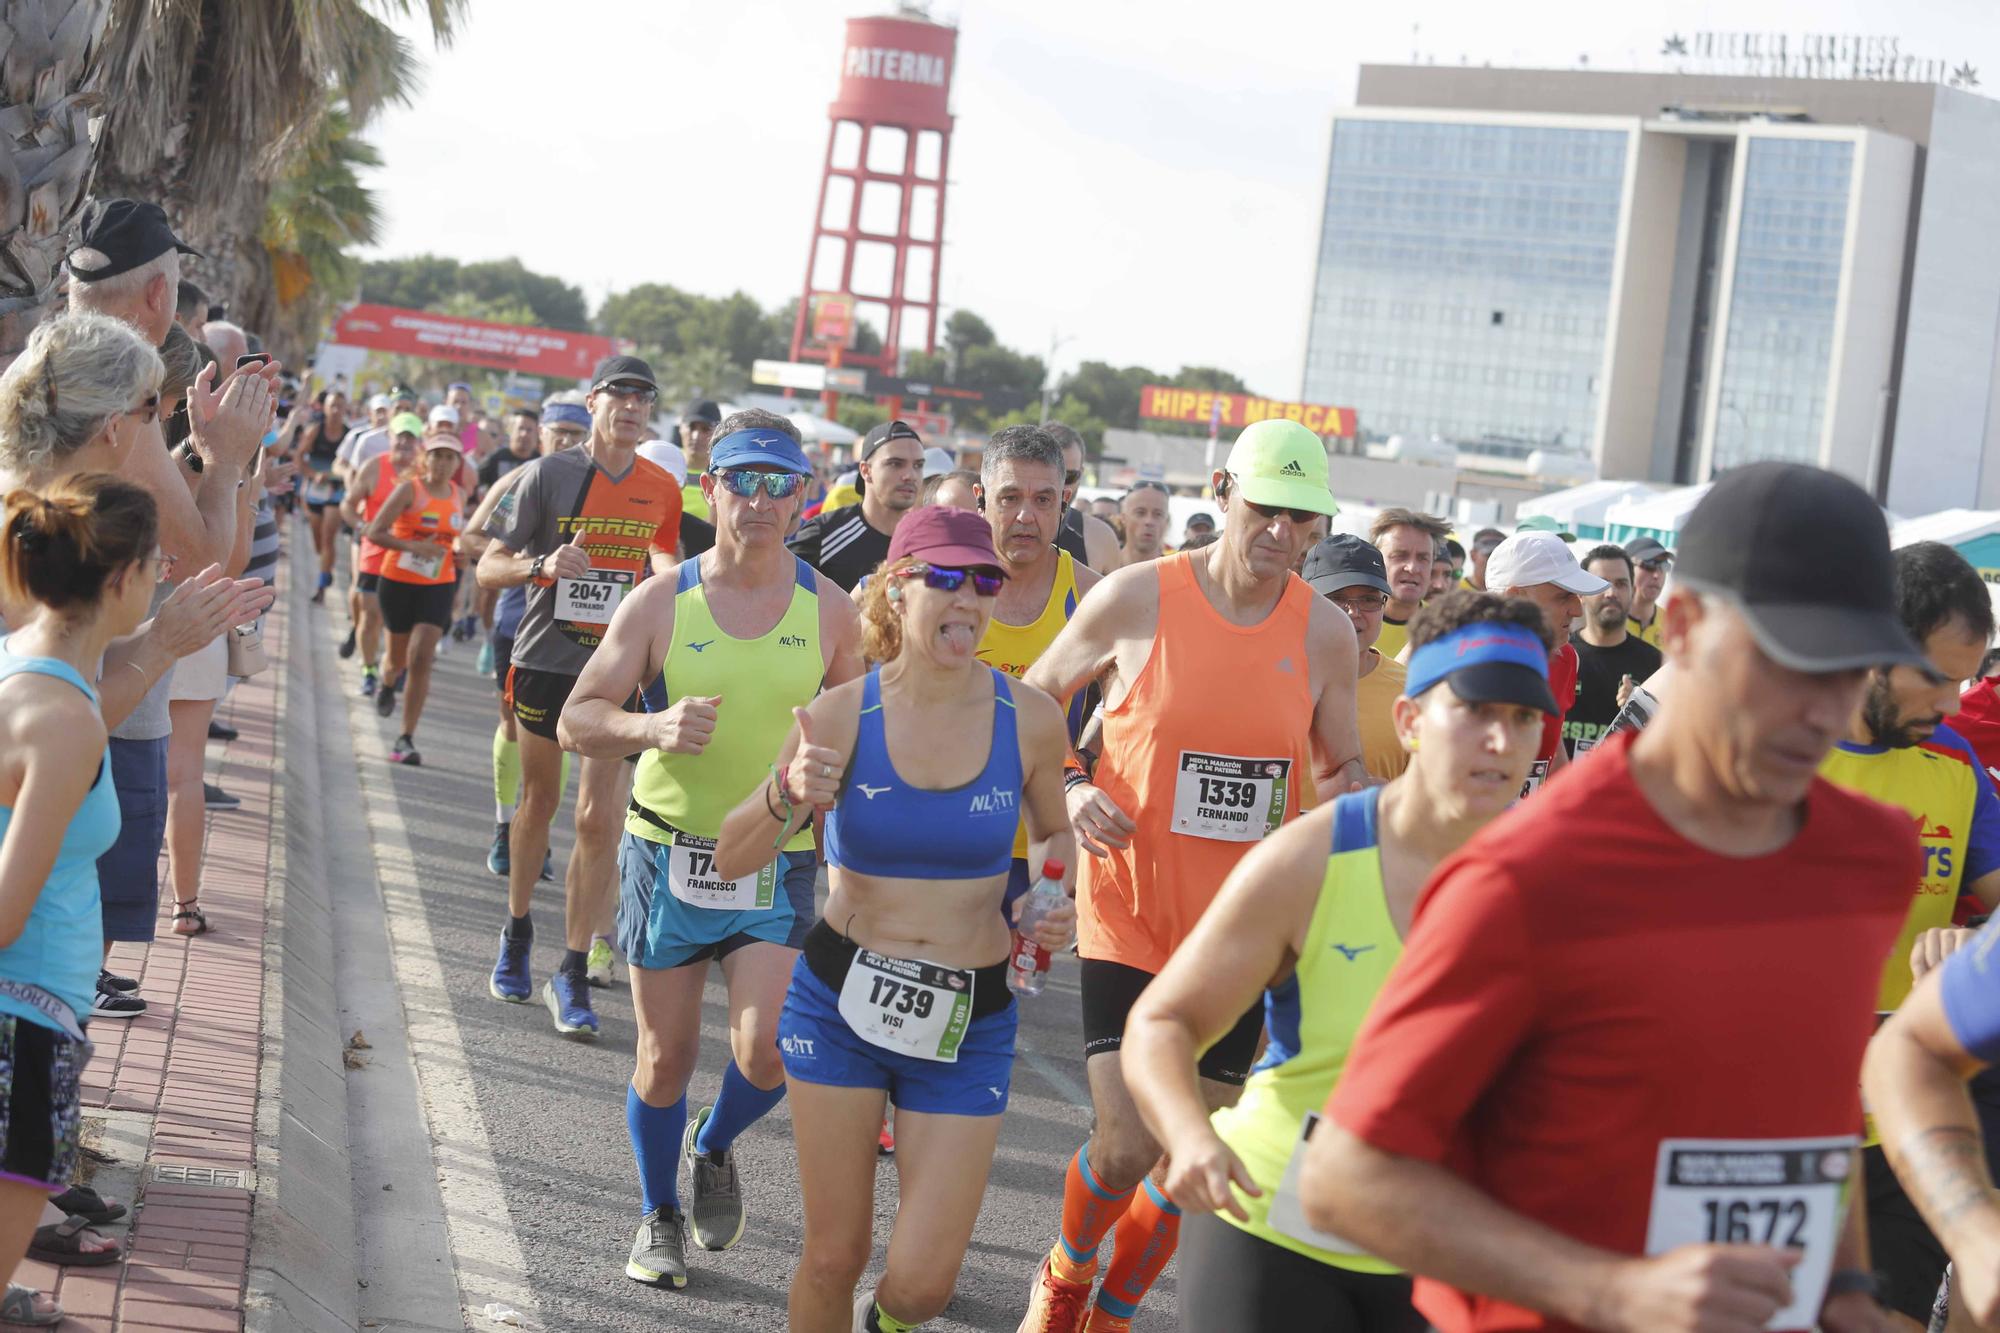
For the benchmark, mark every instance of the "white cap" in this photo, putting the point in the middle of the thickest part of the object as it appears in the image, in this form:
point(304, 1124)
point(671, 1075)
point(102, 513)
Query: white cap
point(668, 456)
point(938, 461)
point(1527, 559)
point(379, 400)
point(444, 414)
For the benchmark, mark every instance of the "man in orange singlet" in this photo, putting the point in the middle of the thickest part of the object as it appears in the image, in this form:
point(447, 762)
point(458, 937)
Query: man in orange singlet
point(1228, 686)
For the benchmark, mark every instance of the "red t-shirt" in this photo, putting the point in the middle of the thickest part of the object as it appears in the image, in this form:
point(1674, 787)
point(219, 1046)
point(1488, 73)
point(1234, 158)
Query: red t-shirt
point(1581, 983)
point(1563, 670)
point(1978, 721)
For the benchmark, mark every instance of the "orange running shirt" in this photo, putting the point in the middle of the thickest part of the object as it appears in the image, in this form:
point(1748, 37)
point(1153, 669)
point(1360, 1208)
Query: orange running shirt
point(384, 478)
point(1207, 753)
point(428, 515)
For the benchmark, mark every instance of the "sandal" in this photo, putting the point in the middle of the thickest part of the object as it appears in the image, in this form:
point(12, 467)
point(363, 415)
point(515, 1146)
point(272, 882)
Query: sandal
point(188, 911)
point(62, 1243)
point(18, 1309)
point(84, 1202)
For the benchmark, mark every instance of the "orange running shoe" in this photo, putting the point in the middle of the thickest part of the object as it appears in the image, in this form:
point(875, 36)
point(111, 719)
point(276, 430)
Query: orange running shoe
point(1055, 1306)
point(885, 1142)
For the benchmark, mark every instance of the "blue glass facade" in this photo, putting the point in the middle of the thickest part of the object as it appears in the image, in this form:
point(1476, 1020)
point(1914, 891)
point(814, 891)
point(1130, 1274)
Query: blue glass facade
point(1464, 278)
point(1779, 349)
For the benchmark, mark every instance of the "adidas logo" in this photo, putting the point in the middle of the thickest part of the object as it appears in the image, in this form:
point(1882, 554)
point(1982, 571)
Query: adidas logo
point(1292, 469)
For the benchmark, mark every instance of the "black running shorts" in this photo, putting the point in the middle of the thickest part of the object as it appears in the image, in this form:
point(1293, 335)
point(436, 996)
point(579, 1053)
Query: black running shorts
point(1111, 989)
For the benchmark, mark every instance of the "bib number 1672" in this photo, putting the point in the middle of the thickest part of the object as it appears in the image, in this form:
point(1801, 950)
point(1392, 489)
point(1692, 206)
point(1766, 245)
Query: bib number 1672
point(1756, 1221)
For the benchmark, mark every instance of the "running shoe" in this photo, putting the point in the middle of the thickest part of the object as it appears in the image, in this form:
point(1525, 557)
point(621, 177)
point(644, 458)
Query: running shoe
point(716, 1209)
point(370, 682)
point(1101, 1320)
point(347, 645)
point(218, 732)
point(1055, 1306)
point(319, 593)
point(215, 798)
point(548, 866)
point(485, 663)
point(405, 752)
point(885, 1142)
point(659, 1251)
point(116, 982)
point(385, 701)
point(597, 971)
point(109, 1003)
point(500, 857)
point(567, 995)
point(444, 645)
point(511, 979)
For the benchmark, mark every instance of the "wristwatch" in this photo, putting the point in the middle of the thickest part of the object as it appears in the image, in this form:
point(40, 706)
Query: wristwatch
point(535, 569)
point(1854, 1279)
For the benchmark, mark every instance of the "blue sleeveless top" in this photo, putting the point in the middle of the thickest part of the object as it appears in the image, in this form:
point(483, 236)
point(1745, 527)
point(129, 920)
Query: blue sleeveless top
point(884, 826)
point(62, 942)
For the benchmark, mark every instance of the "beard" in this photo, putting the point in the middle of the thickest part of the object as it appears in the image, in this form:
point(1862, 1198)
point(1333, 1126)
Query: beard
point(1878, 711)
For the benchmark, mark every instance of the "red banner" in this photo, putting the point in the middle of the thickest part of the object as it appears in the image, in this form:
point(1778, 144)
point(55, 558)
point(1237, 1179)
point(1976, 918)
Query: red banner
point(1234, 411)
point(553, 353)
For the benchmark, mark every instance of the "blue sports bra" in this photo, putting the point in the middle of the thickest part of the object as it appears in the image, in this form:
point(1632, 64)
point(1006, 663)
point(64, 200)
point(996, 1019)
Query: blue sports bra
point(884, 826)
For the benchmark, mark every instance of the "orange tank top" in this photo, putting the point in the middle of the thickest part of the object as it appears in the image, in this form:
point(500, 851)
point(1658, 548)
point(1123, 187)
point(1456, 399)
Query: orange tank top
point(427, 515)
point(1207, 753)
point(380, 488)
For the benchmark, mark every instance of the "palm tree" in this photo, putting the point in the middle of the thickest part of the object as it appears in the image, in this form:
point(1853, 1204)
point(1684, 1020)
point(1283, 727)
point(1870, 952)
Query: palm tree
point(317, 211)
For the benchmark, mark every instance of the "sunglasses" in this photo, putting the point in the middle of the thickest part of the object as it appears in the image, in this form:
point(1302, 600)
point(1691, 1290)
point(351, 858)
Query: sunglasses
point(163, 564)
point(985, 582)
point(1072, 477)
point(148, 411)
point(1655, 566)
point(1372, 601)
point(638, 391)
point(1296, 515)
point(744, 482)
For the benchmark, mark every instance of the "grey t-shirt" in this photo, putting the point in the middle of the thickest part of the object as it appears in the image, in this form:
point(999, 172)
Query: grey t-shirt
point(149, 721)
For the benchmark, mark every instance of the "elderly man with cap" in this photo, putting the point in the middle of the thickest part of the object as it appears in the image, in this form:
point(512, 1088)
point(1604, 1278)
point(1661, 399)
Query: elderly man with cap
point(1540, 566)
point(1349, 572)
point(698, 422)
point(127, 264)
point(845, 544)
point(1484, 543)
point(1611, 1082)
point(581, 529)
point(1651, 563)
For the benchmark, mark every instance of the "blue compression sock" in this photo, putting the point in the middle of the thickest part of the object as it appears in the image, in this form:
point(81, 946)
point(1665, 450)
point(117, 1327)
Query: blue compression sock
point(738, 1106)
point(656, 1142)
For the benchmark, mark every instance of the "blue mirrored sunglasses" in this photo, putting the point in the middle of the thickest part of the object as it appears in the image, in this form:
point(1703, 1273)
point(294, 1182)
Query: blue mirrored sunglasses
point(744, 482)
point(985, 582)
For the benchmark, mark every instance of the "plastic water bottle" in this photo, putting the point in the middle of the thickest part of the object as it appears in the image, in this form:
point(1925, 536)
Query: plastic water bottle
point(1028, 967)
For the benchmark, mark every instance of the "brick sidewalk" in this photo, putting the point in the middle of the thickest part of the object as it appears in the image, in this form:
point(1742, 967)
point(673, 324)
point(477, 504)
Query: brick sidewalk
point(190, 1063)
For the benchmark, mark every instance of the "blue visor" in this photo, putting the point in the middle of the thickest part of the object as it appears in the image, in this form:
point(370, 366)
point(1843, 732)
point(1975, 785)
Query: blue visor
point(566, 414)
point(1486, 662)
point(758, 445)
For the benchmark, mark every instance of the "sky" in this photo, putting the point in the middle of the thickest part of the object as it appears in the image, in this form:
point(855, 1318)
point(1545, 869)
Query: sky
point(1132, 181)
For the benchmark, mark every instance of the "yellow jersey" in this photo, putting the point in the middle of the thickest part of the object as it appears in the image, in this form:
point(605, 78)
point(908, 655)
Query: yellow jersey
point(1382, 754)
point(1395, 634)
point(1015, 648)
point(1649, 633)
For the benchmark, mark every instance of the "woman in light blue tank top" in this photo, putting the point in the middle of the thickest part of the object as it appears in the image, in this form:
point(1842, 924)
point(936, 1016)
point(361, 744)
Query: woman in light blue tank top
point(84, 553)
point(925, 769)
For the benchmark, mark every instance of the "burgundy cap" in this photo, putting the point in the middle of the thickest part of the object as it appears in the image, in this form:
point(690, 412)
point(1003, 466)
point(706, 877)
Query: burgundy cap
point(944, 535)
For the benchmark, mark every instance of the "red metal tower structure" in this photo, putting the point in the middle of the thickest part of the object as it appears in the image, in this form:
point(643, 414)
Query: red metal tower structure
point(878, 236)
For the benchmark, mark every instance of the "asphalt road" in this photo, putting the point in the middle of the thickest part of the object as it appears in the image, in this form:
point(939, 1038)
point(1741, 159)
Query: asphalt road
point(553, 1109)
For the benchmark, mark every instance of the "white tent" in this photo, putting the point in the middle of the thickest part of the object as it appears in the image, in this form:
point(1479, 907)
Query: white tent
point(1953, 527)
point(1581, 509)
point(1659, 515)
point(818, 430)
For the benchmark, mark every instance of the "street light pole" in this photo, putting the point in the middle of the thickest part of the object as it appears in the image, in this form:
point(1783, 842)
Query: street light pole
point(1049, 373)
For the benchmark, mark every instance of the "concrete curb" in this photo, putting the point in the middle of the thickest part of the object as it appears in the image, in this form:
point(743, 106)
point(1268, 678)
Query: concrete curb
point(303, 1255)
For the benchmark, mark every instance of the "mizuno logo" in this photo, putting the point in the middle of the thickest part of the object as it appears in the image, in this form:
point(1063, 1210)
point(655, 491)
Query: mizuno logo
point(699, 646)
point(870, 792)
point(998, 1093)
point(1292, 469)
point(1351, 953)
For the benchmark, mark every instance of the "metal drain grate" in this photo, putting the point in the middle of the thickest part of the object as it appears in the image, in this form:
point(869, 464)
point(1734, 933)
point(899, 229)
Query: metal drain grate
point(215, 1177)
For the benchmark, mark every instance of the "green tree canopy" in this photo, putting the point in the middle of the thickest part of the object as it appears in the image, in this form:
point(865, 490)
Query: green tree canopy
point(424, 282)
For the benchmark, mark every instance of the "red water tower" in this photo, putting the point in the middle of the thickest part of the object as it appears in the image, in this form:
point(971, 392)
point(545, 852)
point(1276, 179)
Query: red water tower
point(878, 237)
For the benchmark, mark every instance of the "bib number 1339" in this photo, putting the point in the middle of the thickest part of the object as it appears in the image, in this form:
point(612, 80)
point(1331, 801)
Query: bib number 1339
point(1228, 797)
point(1790, 1193)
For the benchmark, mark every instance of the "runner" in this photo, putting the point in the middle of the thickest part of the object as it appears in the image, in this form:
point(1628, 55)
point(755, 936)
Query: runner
point(1408, 541)
point(1540, 566)
point(314, 447)
point(524, 446)
point(1612, 659)
point(1317, 914)
point(1591, 1088)
point(1087, 538)
point(917, 868)
point(698, 422)
point(365, 495)
point(845, 544)
point(1144, 511)
point(1198, 525)
point(1899, 750)
point(724, 654)
point(1350, 573)
point(581, 528)
point(1484, 543)
point(362, 445)
point(1229, 686)
point(957, 489)
point(417, 526)
point(1651, 564)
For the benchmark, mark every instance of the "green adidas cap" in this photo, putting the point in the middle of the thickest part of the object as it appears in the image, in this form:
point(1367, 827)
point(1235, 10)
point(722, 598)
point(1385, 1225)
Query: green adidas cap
point(1283, 465)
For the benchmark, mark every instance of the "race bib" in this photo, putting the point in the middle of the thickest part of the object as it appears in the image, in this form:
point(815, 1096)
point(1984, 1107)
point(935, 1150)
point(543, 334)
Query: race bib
point(1287, 1216)
point(319, 489)
point(692, 878)
point(1538, 773)
point(1786, 1192)
point(591, 599)
point(425, 564)
point(909, 1007)
point(1229, 798)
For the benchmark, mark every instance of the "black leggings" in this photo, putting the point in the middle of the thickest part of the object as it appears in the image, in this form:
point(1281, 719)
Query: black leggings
point(1230, 1279)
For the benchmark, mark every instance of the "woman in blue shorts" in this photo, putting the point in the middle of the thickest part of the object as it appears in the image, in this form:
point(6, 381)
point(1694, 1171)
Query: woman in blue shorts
point(923, 767)
point(84, 551)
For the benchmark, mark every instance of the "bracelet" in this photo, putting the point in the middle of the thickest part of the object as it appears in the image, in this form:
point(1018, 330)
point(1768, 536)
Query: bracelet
point(1854, 1279)
point(141, 670)
point(1074, 777)
point(781, 818)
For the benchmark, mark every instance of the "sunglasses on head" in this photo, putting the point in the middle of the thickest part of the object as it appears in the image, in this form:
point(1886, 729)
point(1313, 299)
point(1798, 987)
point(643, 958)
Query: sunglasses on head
point(985, 582)
point(148, 411)
point(744, 482)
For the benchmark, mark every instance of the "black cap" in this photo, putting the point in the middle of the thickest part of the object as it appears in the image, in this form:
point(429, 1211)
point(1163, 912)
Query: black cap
point(129, 233)
point(1805, 554)
point(702, 409)
point(887, 431)
point(403, 391)
point(1642, 549)
point(1200, 516)
point(1486, 539)
point(615, 368)
point(1344, 561)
